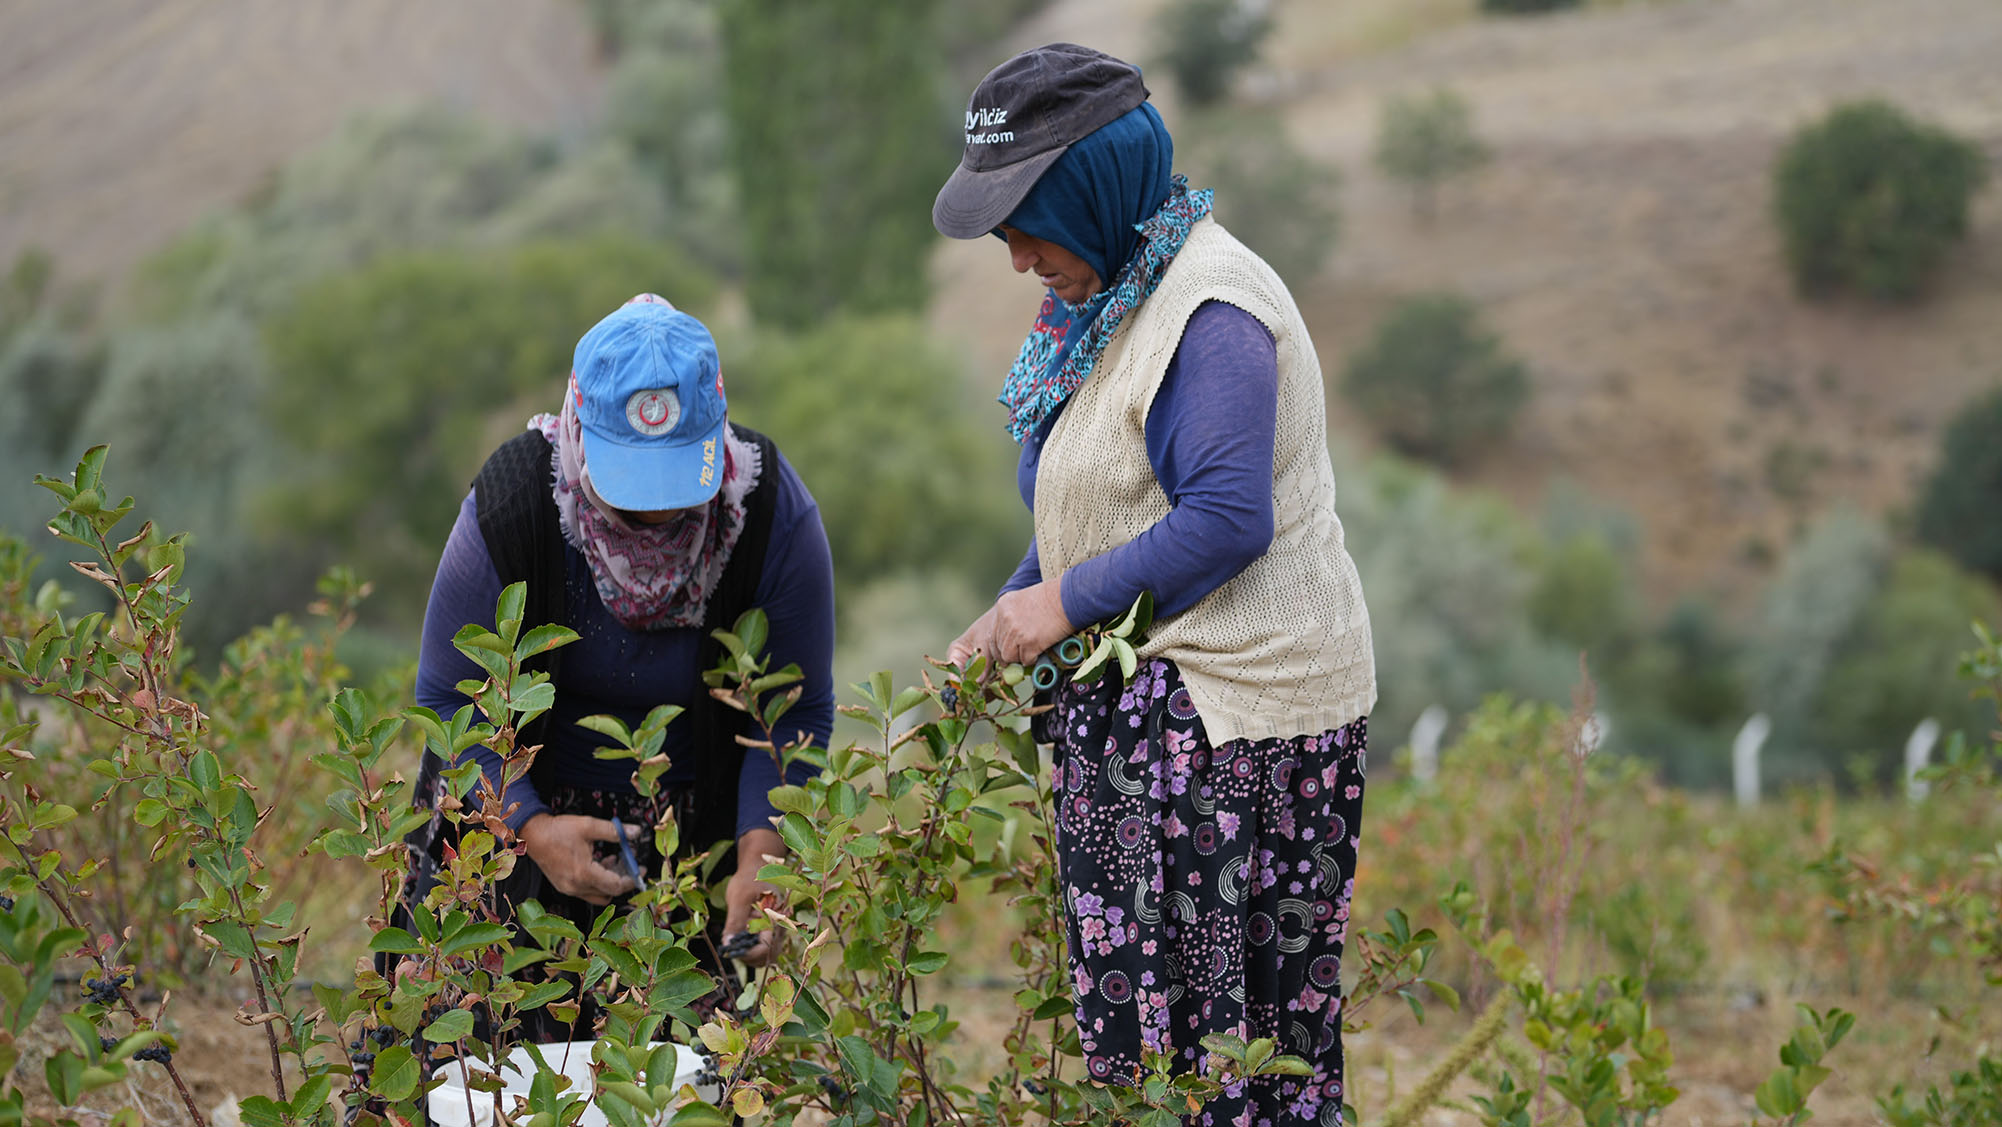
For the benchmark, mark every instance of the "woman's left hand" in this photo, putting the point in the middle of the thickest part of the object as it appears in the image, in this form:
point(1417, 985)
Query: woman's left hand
point(741, 895)
point(1030, 620)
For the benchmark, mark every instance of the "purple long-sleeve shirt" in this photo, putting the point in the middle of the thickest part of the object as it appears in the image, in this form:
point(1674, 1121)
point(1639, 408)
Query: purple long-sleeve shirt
point(625, 673)
point(1210, 434)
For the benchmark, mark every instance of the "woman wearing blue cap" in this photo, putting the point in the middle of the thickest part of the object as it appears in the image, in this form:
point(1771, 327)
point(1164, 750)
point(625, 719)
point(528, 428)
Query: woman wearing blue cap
point(643, 519)
point(1170, 410)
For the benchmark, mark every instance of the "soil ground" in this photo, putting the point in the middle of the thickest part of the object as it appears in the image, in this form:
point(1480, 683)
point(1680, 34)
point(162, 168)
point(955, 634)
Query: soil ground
point(121, 121)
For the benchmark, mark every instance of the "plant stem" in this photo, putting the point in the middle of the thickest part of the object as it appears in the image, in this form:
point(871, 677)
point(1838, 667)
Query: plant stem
point(69, 914)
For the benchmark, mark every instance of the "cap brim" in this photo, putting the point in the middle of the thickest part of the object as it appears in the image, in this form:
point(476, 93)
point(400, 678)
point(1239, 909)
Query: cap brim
point(973, 203)
point(652, 478)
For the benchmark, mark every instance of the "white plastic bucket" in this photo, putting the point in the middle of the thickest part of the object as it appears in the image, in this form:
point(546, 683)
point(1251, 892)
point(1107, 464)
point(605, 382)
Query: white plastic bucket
point(447, 1104)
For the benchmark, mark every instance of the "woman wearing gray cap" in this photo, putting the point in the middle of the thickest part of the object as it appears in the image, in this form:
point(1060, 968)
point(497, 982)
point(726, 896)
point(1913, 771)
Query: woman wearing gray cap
point(1170, 410)
point(640, 517)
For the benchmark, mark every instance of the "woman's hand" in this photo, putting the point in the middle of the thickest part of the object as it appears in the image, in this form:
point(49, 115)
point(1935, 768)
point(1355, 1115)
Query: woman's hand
point(560, 845)
point(978, 638)
point(755, 849)
point(1029, 621)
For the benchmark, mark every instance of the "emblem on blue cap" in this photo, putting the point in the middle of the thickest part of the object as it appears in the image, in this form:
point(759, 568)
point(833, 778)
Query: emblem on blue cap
point(653, 411)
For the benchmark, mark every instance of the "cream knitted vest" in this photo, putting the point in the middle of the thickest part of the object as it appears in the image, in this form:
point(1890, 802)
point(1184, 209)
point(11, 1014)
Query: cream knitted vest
point(1283, 648)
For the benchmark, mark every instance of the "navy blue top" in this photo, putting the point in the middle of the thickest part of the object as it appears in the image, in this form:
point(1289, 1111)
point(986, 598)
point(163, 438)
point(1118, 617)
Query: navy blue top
point(625, 673)
point(1210, 434)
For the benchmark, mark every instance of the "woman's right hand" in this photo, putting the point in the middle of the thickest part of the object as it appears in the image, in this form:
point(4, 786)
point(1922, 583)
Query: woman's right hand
point(560, 845)
point(978, 638)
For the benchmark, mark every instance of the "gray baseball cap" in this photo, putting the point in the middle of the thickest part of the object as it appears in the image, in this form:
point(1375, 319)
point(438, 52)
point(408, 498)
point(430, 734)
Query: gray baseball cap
point(1021, 118)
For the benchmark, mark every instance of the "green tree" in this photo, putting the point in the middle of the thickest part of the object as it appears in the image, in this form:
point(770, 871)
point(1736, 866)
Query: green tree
point(1435, 381)
point(1450, 569)
point(1959, 508)
point(1826, 583)
point(873, 414)
point(1895, 667)
point(1277, 199)
point(840, 138)
point(1582, 595)
point(1869, 199)
point(1204, 44)
point(665, 102)
point(1423, 140)
point(430, 357)
point(391, 182)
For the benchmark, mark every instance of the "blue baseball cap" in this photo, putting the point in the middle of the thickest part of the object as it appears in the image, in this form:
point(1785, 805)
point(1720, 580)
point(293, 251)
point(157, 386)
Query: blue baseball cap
point(650, 398)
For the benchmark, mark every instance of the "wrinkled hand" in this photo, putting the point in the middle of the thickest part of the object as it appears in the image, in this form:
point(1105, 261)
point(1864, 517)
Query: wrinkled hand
point(978, 638)
point(1029, 621)
point(741, 895)
point(560, 845)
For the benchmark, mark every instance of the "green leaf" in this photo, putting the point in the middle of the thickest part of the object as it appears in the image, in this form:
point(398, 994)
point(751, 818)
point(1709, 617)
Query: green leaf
point(204, 771)
point(262, 1111)
point(395, 941)
point(906, 700)
point(452, 1025)
point(926, 962)
point(1055, 1006)
point(1778, 1097)
point(542, 639)
point(312, 1095)
point(396, 1069)
point(471, 936)
point(751, 628)
point(609, 726)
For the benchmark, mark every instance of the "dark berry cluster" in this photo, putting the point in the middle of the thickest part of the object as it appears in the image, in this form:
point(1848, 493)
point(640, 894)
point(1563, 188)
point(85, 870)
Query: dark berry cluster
point(158, 1054)
point(738, 945)
point(948, 697)
point(6, 903)
point(707, 1074)
point(105, 991)
point(362, 1050)
point(106, 1043)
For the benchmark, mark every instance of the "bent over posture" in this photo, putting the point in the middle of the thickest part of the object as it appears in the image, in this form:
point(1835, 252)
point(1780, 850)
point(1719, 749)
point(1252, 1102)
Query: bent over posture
point(643, 519)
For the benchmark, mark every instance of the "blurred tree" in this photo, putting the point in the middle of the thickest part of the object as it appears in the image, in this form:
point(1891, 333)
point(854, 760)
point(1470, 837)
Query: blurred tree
point(1517, 7)
point(1582, 596)
point(389, 182)
point(23, 290)
point(1897, 666)
point(390, 383)
point(1423, 140)
point(873, 415)
point(1449, 570)
point(1434, 381)
point(840, 136)
point(1204, 44)
point(48, 374)
point(1960, 511)
point(969, 31)
point(1679, 695)
point(1274, 197)
point(1870, 199)
point(665, 101)
point(1824, 586)
point(181, 408)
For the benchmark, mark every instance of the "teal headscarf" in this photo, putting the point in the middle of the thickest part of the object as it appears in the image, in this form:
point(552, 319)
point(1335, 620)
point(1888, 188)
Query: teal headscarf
point(1113, 201)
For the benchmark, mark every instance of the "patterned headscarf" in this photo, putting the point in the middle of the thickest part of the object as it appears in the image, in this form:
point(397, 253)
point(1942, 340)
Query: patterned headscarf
point(1064, 344)
point(650, 576)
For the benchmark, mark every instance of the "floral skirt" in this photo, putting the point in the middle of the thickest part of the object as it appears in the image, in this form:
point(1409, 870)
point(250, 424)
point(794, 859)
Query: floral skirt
point(1206, 889)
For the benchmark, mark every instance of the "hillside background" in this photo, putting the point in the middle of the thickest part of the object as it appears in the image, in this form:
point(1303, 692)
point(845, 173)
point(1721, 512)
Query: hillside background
point(1711, 488)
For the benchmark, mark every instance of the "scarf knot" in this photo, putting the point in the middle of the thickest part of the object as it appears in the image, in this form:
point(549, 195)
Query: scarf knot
point(1065, 343)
